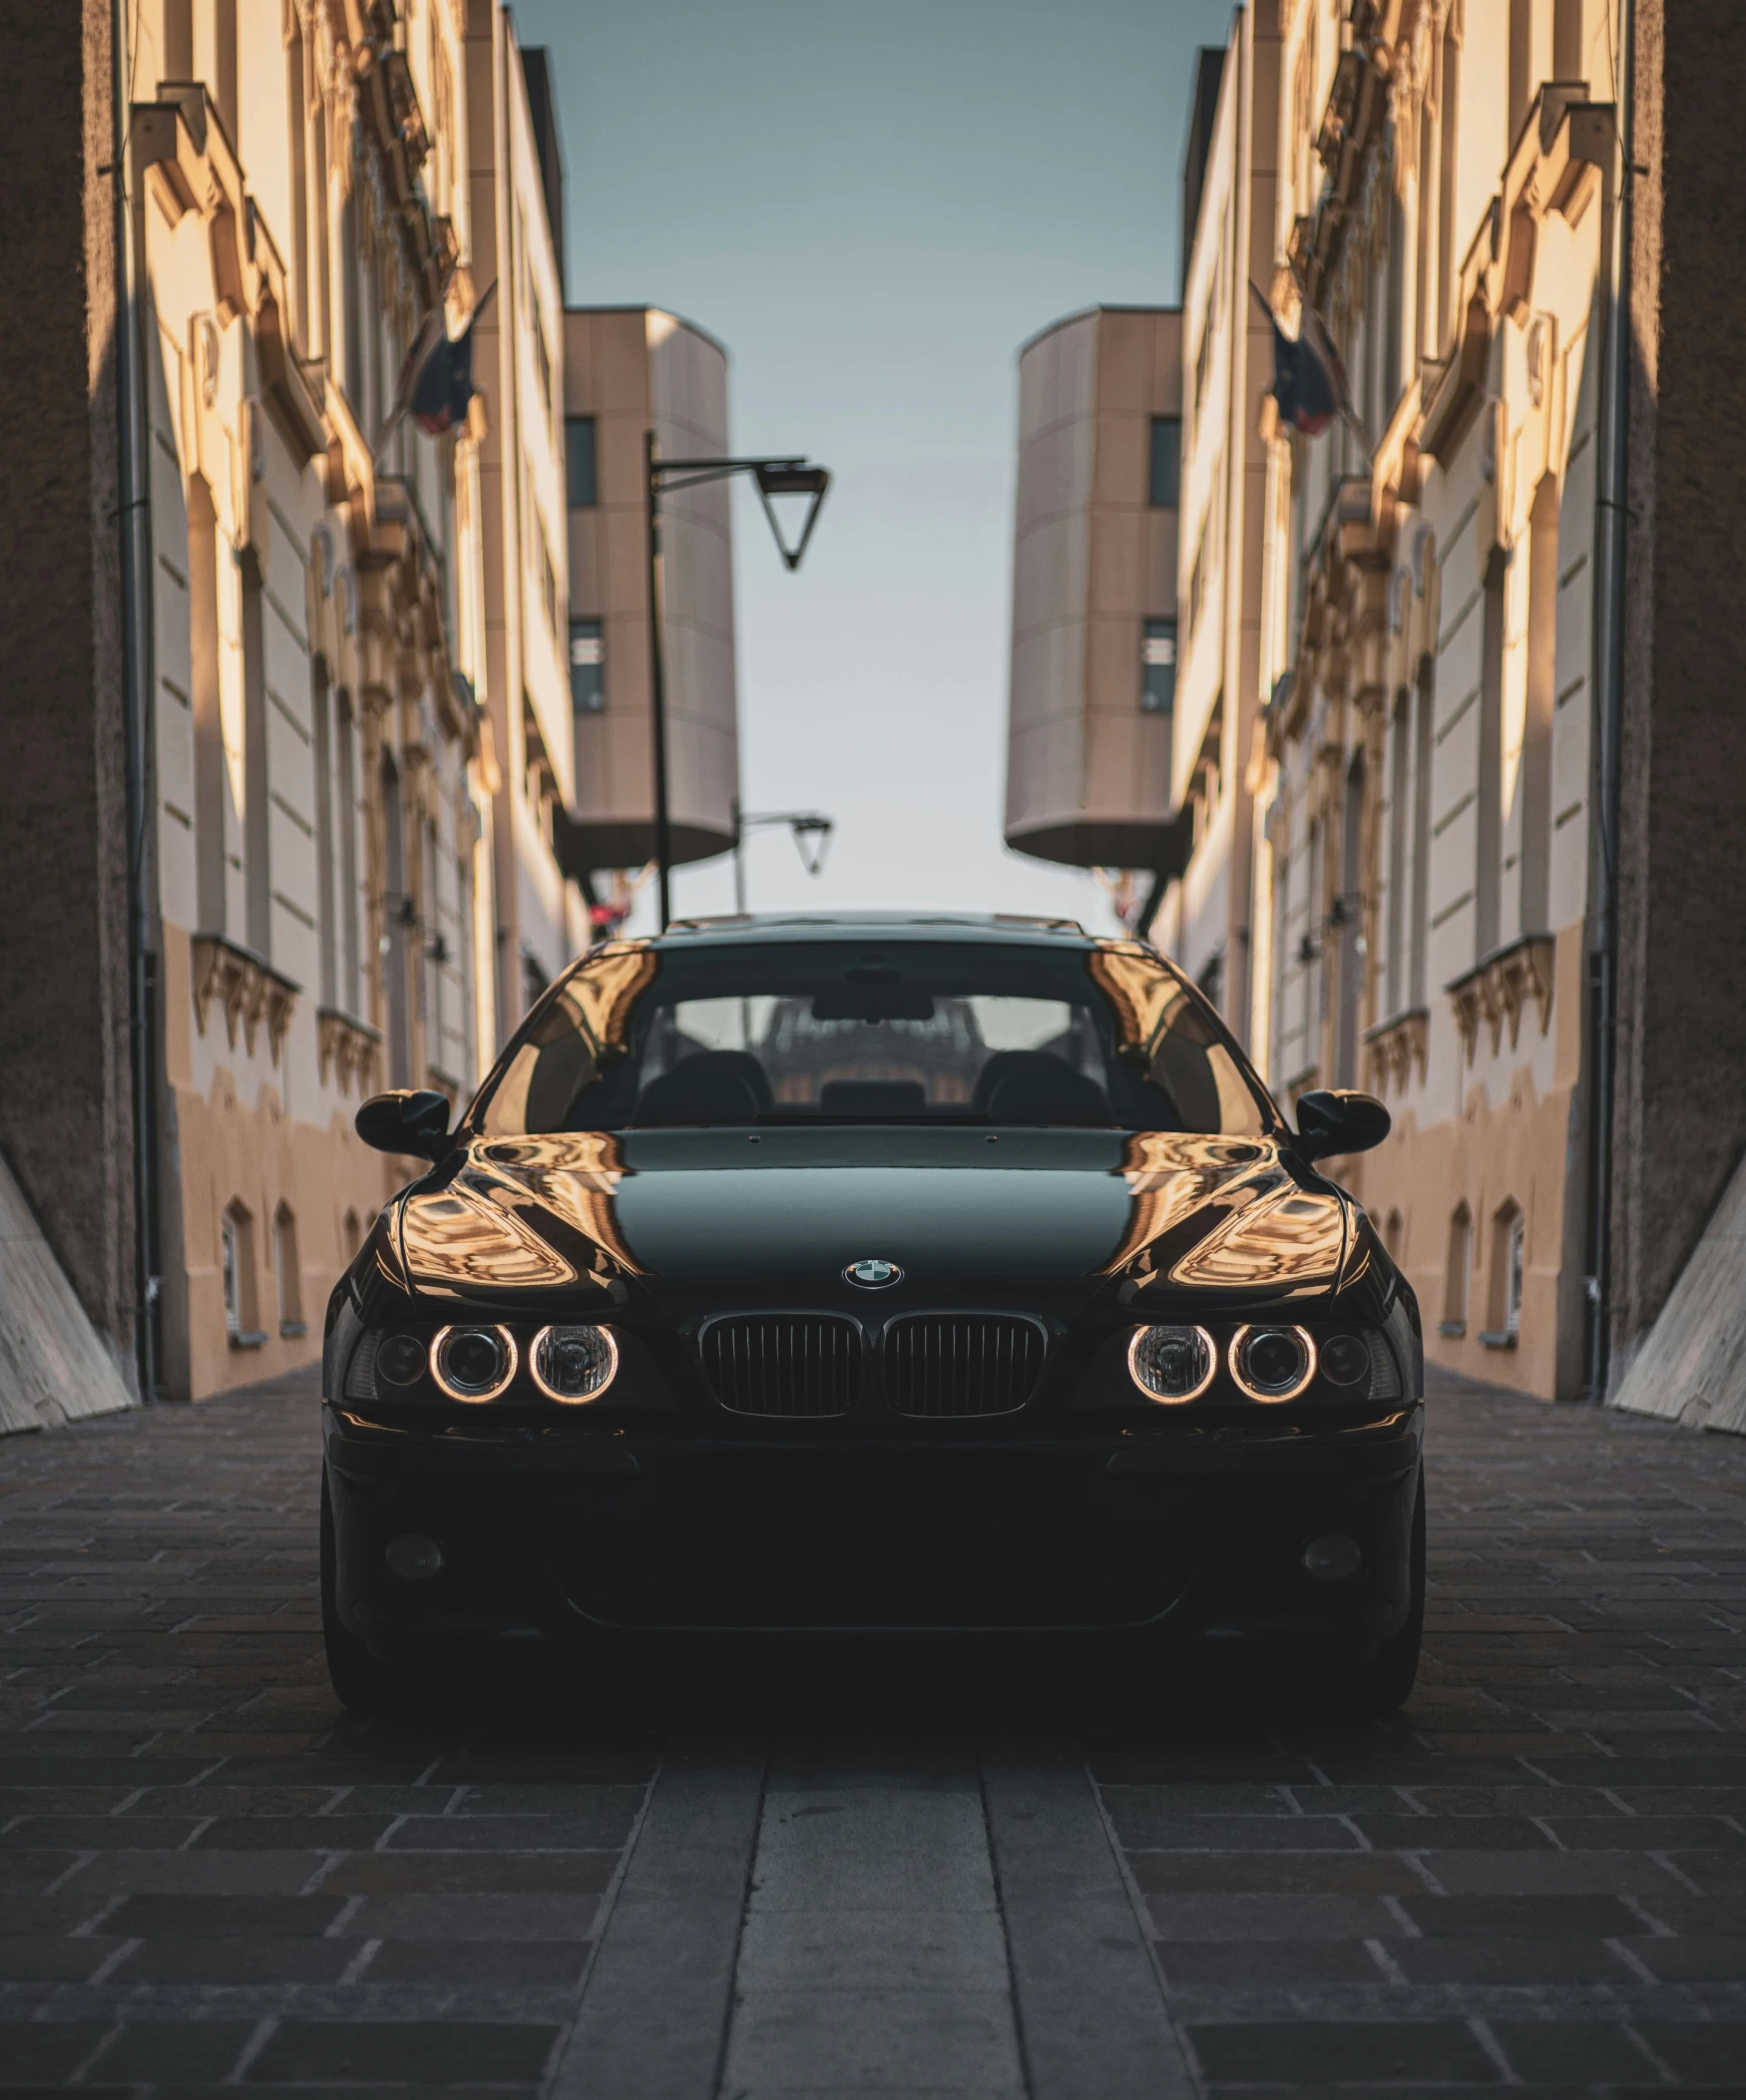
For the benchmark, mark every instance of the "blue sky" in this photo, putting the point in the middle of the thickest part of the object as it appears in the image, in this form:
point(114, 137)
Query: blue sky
point(873, 205)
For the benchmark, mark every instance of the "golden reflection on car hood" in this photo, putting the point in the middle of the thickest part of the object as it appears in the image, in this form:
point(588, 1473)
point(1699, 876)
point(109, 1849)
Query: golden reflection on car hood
point(521, 1214)
point(1160, 1210)
point(1209, 1214)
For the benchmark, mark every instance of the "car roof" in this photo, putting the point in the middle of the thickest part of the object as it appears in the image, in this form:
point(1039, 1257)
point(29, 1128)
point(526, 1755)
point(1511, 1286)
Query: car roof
point(740, 926)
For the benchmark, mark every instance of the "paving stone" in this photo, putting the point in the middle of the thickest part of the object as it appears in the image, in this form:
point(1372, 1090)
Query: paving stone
point(1276, 1918)
point(1571, 1781)
point(418, 2053)
point(1150, 1831)
point(256, 1957)
point(180, 2049)
point(1551, 1872)
point(1241, 1964)
point(1698, 1958)
point(38, 1958)
point(80, 1833)
point(1535, 1960)
point(554, 1832)
point(1292, 2052)
point(1439, 1833)
point(209, 1916)
point(1711, 2052)
point(505, 1917)
point(1273, 1874)
point(47, 2050)
point(476, 1963)
point(472, 1874)
point(302, 1834)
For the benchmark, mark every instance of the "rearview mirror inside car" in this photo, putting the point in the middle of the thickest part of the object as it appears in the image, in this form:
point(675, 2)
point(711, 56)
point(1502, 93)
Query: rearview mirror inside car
point(408, 1120)
point(1337, 1119)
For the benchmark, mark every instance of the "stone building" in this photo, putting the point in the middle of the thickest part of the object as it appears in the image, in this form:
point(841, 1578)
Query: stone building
point(298, 787)
point(1455, 737)
point(1230, 499)
point(279, 807)
point(511, 495)
point(1424, 865)
point(298, 209)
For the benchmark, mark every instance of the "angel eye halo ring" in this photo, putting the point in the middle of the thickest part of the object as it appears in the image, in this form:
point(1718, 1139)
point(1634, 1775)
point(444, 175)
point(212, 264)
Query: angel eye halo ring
point(1272, 1364)
point(572, 1364)
point(473, 1364)
point(1171, 1364)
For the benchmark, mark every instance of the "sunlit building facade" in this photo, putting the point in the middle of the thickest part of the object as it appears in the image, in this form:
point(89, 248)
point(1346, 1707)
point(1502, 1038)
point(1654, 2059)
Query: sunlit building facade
point(328, 656)
point(1386, 631)
point(1425, 845)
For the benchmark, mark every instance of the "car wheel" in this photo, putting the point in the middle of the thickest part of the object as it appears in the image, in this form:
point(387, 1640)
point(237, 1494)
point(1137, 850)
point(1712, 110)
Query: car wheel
point(1386, 1681)
point(359, 1681)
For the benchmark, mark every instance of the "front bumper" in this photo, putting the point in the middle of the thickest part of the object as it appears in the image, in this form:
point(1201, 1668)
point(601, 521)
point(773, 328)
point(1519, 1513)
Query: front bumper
point(1196, 1537)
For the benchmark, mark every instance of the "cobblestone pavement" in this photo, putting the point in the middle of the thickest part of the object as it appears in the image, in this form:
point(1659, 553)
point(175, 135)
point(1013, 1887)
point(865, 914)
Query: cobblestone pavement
point(879, 1876)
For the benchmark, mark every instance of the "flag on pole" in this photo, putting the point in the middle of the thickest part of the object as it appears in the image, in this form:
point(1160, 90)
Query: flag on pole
point(436, 380)
point(1309, 380)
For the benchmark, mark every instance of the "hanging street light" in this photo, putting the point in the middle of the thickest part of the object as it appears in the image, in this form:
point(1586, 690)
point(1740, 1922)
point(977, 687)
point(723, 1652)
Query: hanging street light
point(786, 476)
point(811, 832)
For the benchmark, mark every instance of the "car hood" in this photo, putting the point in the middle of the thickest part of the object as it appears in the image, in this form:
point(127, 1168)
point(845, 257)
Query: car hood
point(1164, 1212)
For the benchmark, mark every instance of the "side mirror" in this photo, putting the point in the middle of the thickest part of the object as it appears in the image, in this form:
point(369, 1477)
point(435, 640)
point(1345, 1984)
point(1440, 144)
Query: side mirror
point(406, 1121)
point(1336, 1119)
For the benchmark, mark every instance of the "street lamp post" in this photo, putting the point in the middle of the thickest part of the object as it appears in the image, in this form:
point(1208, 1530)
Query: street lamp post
point(787, 475)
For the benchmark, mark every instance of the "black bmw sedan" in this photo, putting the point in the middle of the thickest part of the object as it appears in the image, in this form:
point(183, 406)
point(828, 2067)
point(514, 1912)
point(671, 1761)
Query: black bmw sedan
point(844, 1275)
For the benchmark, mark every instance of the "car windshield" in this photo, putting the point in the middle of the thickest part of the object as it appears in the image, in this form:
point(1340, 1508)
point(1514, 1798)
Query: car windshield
point(864, 1032)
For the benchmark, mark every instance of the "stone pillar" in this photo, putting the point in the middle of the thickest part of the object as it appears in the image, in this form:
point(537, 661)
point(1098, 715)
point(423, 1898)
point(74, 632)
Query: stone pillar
point(66, 1124)
point(1680, 1122)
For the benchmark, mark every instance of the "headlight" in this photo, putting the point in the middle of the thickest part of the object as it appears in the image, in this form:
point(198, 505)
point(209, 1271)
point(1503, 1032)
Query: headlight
point(1172, 1364)
point(573, 1364)
point(473, 1363)
point(1272, 1362)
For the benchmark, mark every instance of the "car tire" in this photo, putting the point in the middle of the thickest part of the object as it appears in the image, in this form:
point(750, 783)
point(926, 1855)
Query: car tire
point(359, 1681)
point(1386, 1681)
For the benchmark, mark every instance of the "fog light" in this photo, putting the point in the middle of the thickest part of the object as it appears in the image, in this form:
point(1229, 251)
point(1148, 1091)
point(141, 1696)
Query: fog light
point(400, 1359)
point(1345, 1358)
point(413, 1558)
point(573, 1363)
point(1333, 1557)
point(473, 1363)
point(1172, 1364)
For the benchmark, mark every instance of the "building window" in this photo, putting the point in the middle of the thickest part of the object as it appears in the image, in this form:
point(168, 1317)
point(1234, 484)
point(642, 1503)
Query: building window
point(236, 1257)
point(588, 669)
point(1460, 1254)
point(351, 1234)
point(1166, 480)
point(1509, 1248)
point(579, 463)
point(1158, 692)
point(287, 1276)
point(549, 579)
point(1394, 1236)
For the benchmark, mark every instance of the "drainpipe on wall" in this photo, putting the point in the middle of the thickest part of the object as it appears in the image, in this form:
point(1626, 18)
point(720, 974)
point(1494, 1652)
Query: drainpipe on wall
point(1608, 648)
point(134, 517)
